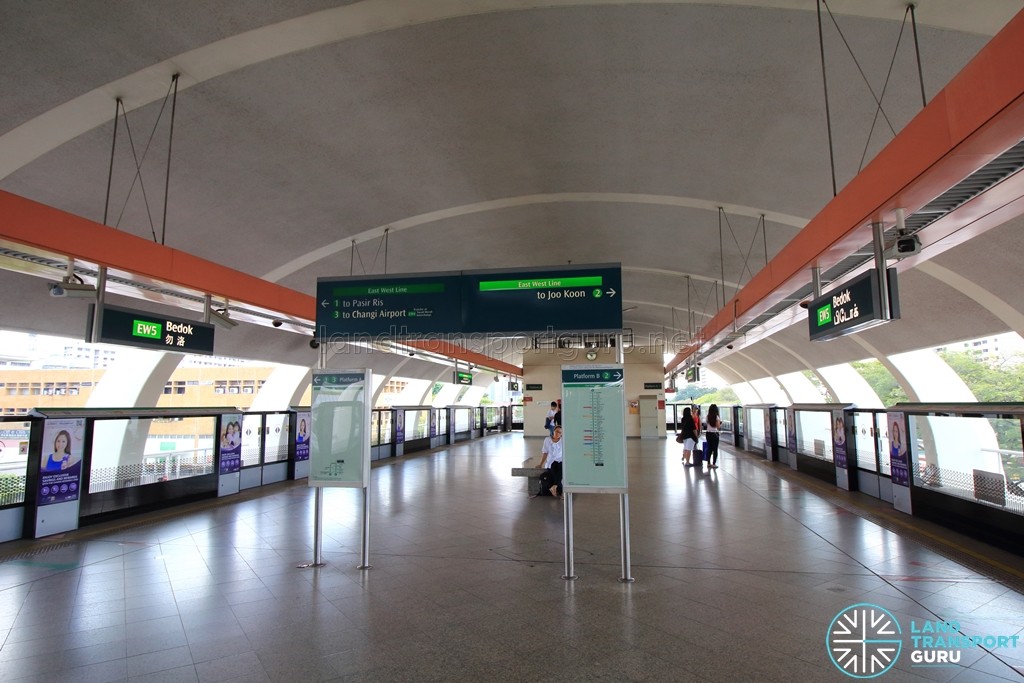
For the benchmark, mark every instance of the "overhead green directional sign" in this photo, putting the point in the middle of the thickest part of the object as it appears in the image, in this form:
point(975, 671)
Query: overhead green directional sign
point(852, 307)
point(563, 298)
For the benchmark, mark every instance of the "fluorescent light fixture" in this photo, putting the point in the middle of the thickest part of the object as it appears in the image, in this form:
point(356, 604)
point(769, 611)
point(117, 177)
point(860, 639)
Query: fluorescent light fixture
point(72, 290)
point(221, 319)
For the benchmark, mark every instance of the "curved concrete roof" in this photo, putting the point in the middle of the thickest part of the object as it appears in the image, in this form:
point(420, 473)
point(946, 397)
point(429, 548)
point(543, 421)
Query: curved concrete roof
point(490, 134)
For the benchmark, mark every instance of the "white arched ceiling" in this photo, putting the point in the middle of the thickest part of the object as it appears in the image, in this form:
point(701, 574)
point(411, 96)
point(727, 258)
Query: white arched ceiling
point(446, 397)
point(771, 391)
point(801, 389)
point(902, 380)
point(747, 393)
point(931, 378)
point(37, 136)
point(284, 388)
point(136, 379)
point(1001, 309)
point(855, 388)
point(807, 366)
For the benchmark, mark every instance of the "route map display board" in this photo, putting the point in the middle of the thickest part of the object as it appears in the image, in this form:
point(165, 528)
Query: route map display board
point(594, 429)
point(339, 448)
point(556, 298)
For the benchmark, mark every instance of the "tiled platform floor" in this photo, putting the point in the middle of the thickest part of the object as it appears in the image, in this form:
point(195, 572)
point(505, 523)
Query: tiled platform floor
point(738, 574)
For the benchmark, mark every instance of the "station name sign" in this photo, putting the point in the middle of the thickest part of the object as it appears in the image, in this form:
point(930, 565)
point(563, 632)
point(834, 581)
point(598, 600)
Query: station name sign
point(146, 330)
point(563, 298)
point(854, 307)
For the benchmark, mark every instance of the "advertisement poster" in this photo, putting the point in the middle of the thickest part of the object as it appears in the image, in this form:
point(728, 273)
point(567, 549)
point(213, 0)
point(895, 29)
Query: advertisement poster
point(594, 426)
point(399, 426)
point(302, 435)
point(899, 460)
point(60, 470)
point(791, 429)
point(229, 450)
point(339, 453)
point(839, 438)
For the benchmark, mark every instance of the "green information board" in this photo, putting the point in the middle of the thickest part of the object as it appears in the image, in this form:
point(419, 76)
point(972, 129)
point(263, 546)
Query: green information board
point(339, 449)
point(594, 429)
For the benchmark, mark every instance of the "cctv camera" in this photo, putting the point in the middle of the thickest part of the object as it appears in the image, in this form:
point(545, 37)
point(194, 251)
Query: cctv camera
point(314, 344)
point(729, 346)
point(57, 290)
point(907, 246)
point(277, 323)
point(805, 303)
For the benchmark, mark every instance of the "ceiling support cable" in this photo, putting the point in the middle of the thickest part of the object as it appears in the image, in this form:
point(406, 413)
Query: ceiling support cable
point(857, 64)
point(139, 162)
point(386, 231)
point(110, 171)
point(885, 86)
point(764, 237)
point(917, 51)
point(352, 260)
point(745, 268)
point(689, 311)
point(721, 249)
point(170, 141)
point(828, 114)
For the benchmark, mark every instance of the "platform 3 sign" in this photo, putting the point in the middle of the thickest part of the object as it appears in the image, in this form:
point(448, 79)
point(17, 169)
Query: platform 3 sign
point(339, 453)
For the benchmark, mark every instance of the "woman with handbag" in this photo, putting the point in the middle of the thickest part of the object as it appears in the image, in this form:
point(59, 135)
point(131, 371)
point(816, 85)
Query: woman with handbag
point(689, 435)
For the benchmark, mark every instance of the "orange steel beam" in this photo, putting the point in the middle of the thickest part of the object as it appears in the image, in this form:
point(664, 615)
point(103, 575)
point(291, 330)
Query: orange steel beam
point(37, 225)
point(30, 223)
point(443, 348)
point(976, 117)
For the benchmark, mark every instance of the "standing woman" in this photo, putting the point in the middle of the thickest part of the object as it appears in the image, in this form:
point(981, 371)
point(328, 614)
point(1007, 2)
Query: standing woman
point(689, 433)
point(714, 423)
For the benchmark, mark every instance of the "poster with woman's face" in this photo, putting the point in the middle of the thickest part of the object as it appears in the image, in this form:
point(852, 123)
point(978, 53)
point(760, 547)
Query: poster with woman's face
point(60, 469)
point(899, 461)
point(839, 438)
point(229, 444)
point(302, 432)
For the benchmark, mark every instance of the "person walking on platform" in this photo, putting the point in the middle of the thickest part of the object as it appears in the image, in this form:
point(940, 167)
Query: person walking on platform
point(689, 434)
point(714, 424)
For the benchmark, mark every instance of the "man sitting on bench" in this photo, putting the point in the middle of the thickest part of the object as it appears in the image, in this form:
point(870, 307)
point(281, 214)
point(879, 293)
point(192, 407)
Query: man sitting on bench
point(551, 459)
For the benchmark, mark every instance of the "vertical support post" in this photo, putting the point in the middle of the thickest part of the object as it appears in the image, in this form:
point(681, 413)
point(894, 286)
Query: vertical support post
point(97, 311)
point(828, 113)
point(318, 528)
point(364, 546)
point(624, 535)
point(570, 572)
point(764, 237)
point(721, 253)
point(883, 273)
point(917, 51)
point(816, 280)
point(170, 141)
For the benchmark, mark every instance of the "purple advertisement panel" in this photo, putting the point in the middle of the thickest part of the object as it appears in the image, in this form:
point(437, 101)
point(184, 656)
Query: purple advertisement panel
point(839, 438)
point(899, 460)
point(302, 435)
point(433, 424)
point(60, 470)
point(230, 448)
point(399, 426)
point(791, 429)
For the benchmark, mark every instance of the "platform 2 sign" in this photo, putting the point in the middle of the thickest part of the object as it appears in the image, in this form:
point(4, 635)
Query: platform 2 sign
point(152, 331)
point(594, 429)
point(339, 453)
point(472, 302)
point(853, 307)
point(586, 298)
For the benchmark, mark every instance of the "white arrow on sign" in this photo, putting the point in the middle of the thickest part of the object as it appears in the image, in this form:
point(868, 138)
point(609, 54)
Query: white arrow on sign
point(611, 292)
point(618, 375)
point(324, 304)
